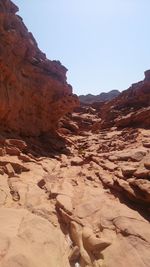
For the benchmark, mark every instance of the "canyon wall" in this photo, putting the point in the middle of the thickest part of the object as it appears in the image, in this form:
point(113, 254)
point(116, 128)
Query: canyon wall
point(34, 93)
point(130, 109)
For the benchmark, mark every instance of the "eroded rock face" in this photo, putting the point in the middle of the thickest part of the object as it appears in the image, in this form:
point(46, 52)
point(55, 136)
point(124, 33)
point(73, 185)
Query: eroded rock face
point(130, 108)
point(34, 93)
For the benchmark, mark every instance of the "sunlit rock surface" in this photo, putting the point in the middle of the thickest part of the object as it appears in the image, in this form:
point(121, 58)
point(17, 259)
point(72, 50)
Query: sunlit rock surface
point(34, 93)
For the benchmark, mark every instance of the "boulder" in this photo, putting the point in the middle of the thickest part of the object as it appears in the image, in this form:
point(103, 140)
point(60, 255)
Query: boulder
point(9, 170)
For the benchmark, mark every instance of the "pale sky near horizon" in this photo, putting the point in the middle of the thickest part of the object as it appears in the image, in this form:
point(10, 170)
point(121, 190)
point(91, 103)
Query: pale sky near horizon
point(105, 44)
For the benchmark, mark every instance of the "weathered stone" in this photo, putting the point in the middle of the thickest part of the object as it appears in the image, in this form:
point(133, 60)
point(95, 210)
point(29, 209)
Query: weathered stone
point(133, 155)
point(142, 189)
point(147, 165)
point(69, 125)
point(17, 166)
point(25, 158)
point(109, 166)
point(34, 92)
point(146, 144)
point(13, 151)
point(20, 144)
point(9, 170)
point(128, 171)
point(141, 172)
point(93, 243)
point(2, 152)
point(77, 161)
point(2, 171)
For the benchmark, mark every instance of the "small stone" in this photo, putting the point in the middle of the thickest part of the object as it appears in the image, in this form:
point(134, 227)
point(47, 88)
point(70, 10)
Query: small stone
point(9, 170)
point(77, 161)
point(146, 144)
point(109, 166)
point(147, 165)
point(41, 183)
point(142, 173)
point(138, 156)
point(128, 171)
point(2, 171)
point(133, 156)
point(90, 178)
point(93, 243)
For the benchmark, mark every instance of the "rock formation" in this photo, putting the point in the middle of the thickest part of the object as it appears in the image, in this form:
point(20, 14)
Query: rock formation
point(130, 108)
point(83, 205)
point(86, 208)
point(34, 93)
point(89, 99)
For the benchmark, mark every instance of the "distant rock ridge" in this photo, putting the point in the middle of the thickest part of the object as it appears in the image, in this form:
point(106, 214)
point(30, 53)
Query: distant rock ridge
point(89, 98)
point(34, 93)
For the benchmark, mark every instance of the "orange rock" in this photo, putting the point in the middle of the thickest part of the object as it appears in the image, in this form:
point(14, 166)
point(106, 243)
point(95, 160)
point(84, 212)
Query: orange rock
point(34, 93)
point(2, 171)
point(130, 108)
point(9, 170)
point(2, 152)
point(13, 151)
point(25, 158)
point(18, 143)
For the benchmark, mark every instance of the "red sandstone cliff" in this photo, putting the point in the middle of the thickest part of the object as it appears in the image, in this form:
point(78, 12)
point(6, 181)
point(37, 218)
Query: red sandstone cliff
point(130, 109)
point(34, 93)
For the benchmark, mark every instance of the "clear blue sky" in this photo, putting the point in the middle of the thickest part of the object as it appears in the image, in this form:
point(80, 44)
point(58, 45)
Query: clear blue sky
point(105, 44)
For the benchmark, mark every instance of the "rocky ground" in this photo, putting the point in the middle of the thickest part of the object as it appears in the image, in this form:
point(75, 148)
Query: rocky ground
point(87, 206)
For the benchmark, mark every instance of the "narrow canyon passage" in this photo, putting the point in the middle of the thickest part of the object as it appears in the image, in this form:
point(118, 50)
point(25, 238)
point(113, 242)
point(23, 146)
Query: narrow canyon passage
point(74, 179)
